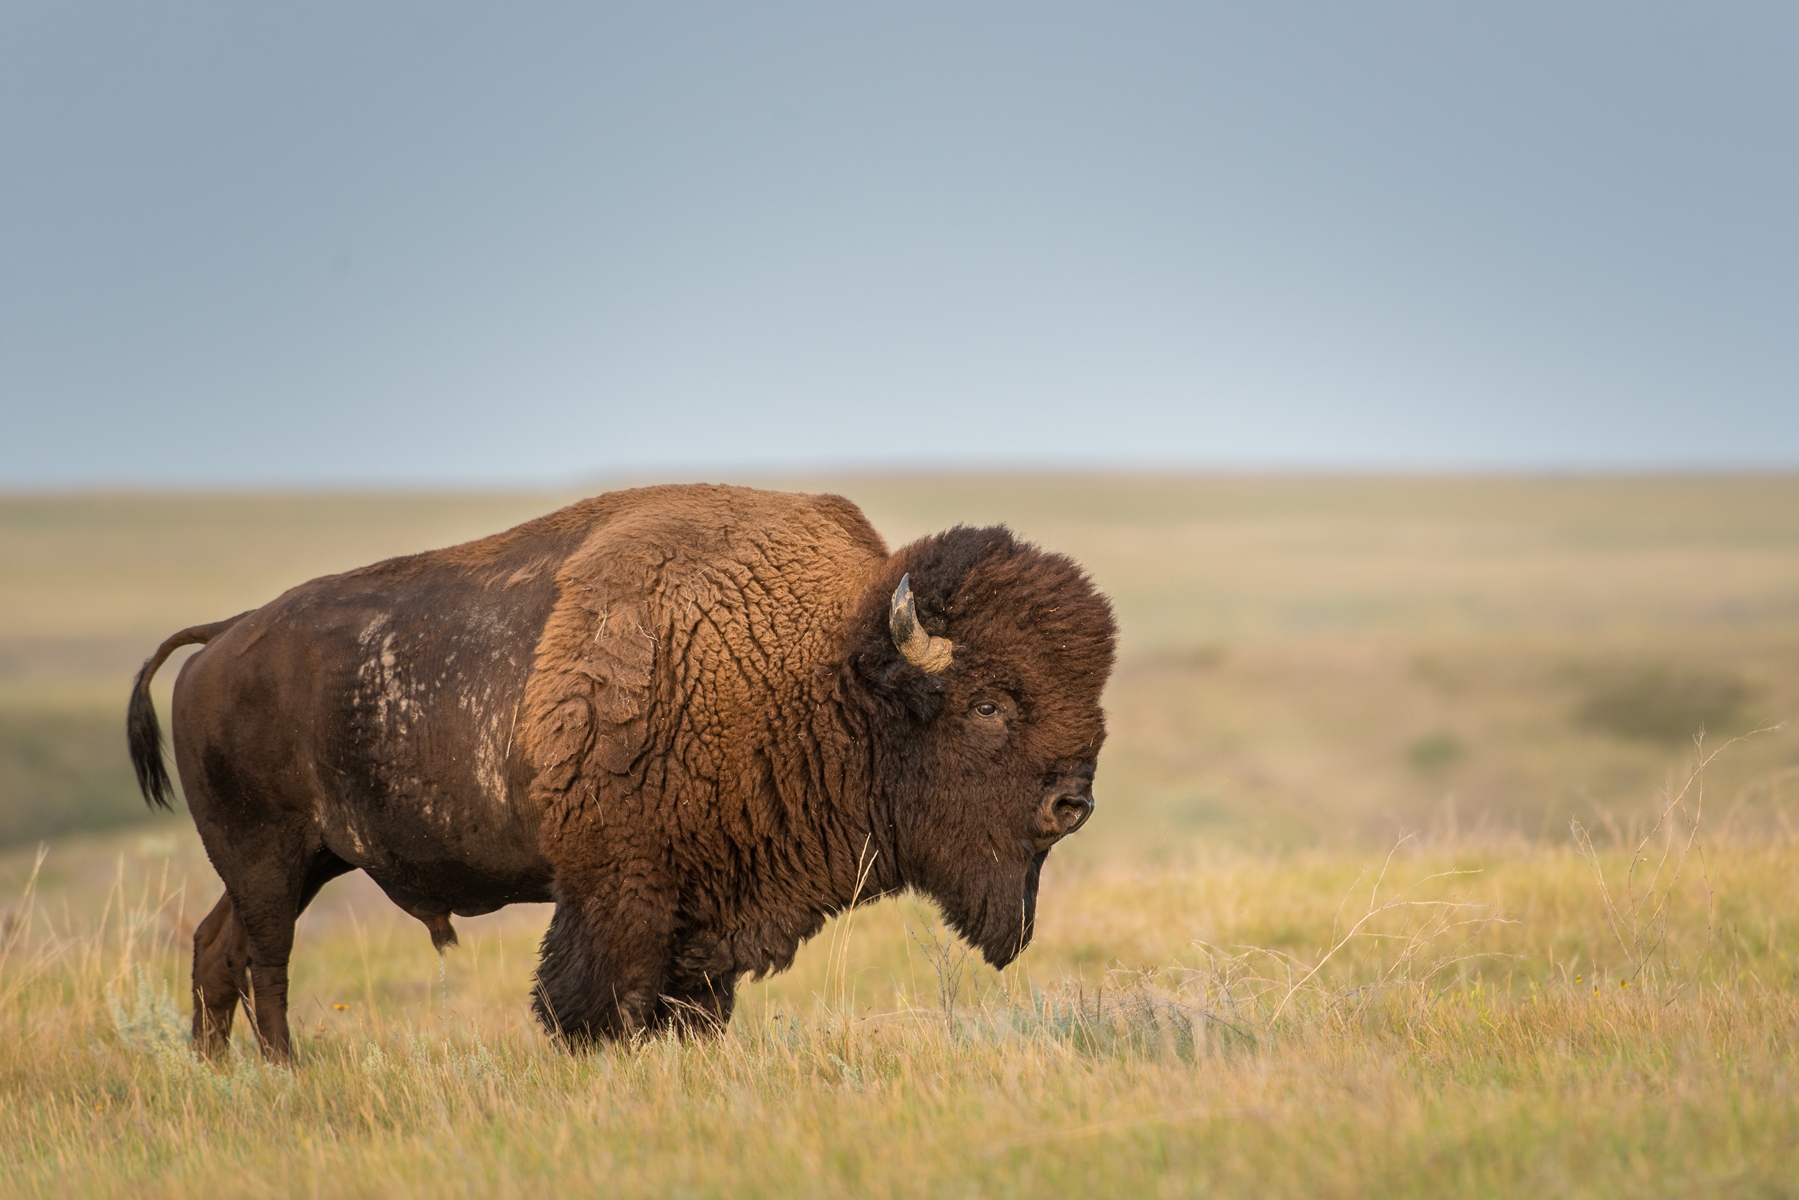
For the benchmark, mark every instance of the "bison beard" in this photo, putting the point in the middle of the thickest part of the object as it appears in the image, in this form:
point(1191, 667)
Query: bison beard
point(700, 720)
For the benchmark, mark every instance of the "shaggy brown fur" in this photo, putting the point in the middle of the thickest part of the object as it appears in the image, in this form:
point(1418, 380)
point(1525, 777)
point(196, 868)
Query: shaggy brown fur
point(678, 712)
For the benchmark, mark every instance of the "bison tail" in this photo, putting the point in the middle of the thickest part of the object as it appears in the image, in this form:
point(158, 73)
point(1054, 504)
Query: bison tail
point(143, 732)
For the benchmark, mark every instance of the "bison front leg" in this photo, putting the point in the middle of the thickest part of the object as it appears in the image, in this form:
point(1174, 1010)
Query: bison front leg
point(698, 1005)
point(605, 961)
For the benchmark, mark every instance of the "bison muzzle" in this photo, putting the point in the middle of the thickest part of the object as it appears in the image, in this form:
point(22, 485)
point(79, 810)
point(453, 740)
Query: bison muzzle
point(699, 720)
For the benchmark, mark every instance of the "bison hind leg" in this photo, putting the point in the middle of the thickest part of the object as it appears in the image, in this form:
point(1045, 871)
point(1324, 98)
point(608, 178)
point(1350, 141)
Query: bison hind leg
point(221, 978)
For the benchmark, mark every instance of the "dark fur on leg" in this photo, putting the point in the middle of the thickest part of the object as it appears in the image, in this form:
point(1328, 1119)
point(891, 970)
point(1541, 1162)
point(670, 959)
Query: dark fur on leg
point(220, 979)
point(697, 1008)
point(591, 988)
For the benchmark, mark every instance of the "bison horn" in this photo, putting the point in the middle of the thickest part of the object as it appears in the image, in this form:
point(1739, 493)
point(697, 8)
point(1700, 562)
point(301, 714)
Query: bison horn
point(929, 654)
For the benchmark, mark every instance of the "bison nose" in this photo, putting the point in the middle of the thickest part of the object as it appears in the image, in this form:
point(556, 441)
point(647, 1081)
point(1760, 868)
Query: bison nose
point(1068, 811)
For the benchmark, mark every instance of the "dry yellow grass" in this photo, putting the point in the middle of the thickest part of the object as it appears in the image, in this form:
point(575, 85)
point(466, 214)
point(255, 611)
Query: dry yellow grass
point(1477, 1017)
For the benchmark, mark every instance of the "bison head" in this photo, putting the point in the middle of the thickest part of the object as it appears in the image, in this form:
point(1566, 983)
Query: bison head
point(983, 659)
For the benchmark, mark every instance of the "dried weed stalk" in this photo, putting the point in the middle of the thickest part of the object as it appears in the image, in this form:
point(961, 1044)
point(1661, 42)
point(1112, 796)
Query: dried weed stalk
point(1636, 909)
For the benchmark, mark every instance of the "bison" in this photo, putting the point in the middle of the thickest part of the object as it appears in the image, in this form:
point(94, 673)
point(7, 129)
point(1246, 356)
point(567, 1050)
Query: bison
point(699, 720)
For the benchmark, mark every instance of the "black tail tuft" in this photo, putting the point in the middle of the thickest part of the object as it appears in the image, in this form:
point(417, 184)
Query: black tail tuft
point(143, 732)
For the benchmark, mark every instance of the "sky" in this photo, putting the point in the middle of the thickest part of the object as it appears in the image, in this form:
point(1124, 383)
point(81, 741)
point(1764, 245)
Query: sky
point(423, 244)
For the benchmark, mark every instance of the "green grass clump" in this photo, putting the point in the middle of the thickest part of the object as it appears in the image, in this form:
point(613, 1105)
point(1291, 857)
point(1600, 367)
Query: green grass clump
point(64, 769)
point(1659, 702)
point(1435, 750)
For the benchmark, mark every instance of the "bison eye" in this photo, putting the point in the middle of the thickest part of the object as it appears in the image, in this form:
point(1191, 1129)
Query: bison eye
point(986, 708)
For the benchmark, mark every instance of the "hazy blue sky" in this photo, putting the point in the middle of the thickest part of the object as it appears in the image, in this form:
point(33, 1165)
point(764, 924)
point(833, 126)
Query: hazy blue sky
point(439, 242)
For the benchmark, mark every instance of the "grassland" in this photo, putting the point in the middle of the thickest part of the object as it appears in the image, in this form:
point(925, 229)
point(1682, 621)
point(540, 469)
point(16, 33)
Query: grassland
point(1480, 1022)
point(1331, 933)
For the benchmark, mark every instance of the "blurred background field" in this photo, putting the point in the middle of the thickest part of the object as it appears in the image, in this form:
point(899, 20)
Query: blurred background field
point(1305, 660)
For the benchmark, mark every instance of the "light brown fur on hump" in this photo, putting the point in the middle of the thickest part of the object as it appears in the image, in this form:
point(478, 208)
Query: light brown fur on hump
point(684, 627)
